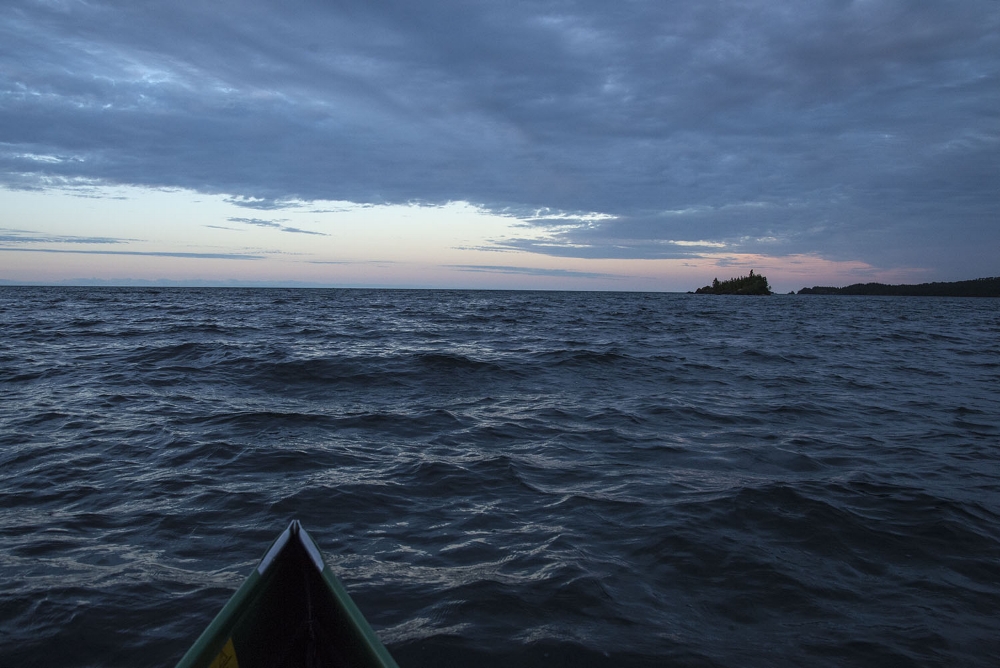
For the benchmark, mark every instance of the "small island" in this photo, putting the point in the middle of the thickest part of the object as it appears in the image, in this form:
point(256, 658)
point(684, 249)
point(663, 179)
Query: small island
point(754, 284)
point(979, 287)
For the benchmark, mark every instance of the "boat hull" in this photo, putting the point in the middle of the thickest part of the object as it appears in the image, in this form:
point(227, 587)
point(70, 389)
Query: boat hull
point(291, 611)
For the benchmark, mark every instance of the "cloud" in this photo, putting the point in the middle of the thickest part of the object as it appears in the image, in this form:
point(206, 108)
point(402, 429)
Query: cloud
point(529, 271)
point(262, 203)
point(298, 231)
point(199, 256)
point(856, 129)
point(9, 236)
point(256, 221)
point(274, 224)
point(172, 283)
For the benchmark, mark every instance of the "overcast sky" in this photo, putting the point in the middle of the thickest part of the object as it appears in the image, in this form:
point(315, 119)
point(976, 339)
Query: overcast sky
point(612, 145)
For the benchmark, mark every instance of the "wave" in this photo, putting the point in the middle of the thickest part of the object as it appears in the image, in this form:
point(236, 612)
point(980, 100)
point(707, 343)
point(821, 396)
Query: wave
point(538, 478)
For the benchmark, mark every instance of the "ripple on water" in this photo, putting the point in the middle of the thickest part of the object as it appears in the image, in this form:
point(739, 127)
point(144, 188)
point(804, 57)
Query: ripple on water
point(529, 478)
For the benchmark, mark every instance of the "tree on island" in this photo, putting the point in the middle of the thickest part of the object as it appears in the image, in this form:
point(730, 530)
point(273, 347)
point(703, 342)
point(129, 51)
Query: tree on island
point(754, 284)
point(979, 287)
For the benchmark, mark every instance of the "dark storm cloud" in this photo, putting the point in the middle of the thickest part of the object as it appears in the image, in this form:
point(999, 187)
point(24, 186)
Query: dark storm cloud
point(858, 129)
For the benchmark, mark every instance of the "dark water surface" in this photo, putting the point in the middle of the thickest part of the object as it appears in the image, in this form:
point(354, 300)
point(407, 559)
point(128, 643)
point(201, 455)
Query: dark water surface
point(507, 478)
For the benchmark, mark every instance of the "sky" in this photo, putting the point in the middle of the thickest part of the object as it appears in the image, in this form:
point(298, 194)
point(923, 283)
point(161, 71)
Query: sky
point(591, 145)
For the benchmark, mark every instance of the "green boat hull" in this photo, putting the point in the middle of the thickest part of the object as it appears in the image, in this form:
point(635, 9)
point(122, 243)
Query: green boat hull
point(291, 611)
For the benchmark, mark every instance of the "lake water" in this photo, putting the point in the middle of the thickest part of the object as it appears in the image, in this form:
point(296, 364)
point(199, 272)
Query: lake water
point(527, 478)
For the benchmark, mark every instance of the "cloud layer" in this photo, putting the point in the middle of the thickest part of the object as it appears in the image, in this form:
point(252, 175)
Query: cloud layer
point(863, 129)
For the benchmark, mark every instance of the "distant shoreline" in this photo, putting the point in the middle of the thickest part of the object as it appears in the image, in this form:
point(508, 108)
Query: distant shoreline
point(979, 287)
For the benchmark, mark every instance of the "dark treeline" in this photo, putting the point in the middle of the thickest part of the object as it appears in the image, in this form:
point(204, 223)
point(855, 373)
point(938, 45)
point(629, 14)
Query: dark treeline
point(979, 287)
point(744, 285)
